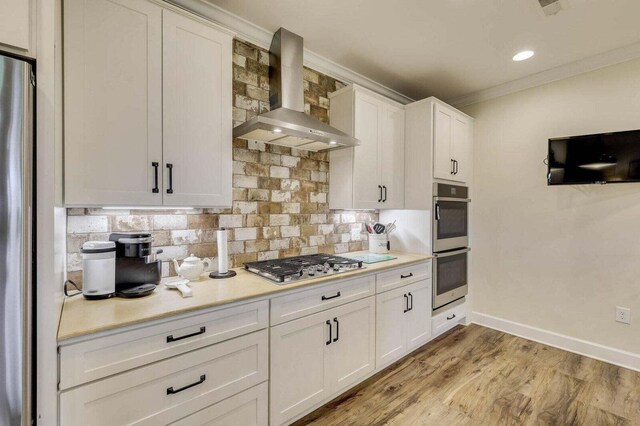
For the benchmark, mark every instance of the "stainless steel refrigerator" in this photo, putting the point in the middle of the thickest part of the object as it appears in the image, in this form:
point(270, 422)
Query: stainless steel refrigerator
point(16, 223)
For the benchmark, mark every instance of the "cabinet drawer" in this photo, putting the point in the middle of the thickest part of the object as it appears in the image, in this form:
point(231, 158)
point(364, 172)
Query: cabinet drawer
point(402, 276)
point(296, 305)
point(89, 360)
point(246, 408)
point(172, 389)
point(449, 318)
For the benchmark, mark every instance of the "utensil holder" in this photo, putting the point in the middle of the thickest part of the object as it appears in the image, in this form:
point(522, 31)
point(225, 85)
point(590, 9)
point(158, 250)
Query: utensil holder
point(379, 243)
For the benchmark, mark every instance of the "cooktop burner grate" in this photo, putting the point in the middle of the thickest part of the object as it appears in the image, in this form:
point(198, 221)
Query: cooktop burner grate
point(298, 268)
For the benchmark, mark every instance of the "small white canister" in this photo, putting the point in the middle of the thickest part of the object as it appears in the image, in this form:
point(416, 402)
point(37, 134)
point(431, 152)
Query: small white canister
point(98, 269)
point(378, 243)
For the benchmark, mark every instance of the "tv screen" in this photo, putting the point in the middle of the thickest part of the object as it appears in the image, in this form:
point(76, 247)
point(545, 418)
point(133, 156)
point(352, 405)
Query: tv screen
point(600, 158)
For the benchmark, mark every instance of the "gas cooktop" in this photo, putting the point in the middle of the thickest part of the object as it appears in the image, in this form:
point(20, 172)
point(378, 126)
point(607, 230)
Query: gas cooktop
point(291, 269)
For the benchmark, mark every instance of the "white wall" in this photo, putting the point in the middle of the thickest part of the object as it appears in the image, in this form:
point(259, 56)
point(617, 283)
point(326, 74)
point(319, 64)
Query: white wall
point(556, 258)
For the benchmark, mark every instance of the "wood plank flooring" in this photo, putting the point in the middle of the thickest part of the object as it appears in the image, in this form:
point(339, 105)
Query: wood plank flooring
point(478, 376)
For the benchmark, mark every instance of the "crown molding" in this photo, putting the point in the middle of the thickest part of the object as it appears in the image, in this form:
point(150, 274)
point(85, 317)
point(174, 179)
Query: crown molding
point(582, 66)
point(261, 37)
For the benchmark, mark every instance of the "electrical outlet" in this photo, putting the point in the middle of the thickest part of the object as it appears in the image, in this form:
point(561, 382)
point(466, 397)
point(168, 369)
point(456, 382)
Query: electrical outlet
point(623, 315)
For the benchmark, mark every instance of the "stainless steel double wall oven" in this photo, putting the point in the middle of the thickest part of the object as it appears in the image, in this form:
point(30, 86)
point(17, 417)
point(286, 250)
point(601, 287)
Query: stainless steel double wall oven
point(450, 230)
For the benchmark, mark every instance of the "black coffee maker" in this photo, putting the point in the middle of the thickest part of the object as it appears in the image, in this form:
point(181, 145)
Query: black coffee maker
point(138, 271)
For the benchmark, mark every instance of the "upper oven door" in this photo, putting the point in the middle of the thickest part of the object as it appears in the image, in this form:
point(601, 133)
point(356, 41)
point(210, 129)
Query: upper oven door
point(450, 223)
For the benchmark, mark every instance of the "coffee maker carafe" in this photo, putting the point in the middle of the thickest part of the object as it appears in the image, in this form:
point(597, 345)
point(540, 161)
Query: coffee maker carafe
point(138, 271)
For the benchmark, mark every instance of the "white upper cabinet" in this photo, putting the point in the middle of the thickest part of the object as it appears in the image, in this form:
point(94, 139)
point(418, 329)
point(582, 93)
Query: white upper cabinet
point(17, 25)
point(145, 87)
point(438, 145)
point(197, 112)
point(113, 102)
point(451, 144)
point(371, 175)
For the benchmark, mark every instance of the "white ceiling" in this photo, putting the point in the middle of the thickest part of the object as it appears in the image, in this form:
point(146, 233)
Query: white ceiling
point(447, 48)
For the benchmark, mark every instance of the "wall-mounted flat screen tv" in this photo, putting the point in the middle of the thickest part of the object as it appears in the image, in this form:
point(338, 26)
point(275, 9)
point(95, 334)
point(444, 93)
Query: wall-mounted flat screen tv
point(599, 158)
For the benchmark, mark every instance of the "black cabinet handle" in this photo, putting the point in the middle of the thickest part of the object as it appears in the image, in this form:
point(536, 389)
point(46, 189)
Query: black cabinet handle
point(170, 167)
point(328, 342)
point(337, 329)
point(406, 303)
point(452, 317)
point(385, 193)
point(455, 167)
point(170, 338)
point(380, 188)
point(411, 301)
point(171, 391)
point(406, 276)
point(330, 297)
point(452, 166)
point(155, 165)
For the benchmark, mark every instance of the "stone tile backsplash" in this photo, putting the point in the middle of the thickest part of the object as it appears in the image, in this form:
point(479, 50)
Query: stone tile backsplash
point(279, 194)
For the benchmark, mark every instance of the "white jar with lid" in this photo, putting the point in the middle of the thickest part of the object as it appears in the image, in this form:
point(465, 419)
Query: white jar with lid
point(99, 269)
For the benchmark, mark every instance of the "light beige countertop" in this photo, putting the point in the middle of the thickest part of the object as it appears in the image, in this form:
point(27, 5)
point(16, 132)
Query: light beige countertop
point(81, 317)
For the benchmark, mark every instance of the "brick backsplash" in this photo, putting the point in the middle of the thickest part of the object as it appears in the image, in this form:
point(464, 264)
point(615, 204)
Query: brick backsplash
point(279, 194)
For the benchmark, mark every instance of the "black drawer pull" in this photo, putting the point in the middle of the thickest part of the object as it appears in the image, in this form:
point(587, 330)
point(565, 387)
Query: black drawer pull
point(171, 391)
point(380, 188)
point(331, 297)
point(170, 338)
point(411, 300)
point(328, 342)
point(406, 303)
point(170, 167)
point(452, 317)
point(155, 165)
point(337, 330)
point(406, 276)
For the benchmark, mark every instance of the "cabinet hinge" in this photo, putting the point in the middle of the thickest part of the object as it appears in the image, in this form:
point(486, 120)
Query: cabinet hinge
point(33, 79)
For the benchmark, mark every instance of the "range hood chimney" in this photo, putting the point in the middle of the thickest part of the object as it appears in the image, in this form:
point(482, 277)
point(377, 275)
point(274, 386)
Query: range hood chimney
point(287, 124)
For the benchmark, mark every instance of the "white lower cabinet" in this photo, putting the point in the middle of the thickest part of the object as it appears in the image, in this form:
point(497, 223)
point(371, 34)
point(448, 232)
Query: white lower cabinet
point(248, 408)
point(403, 321)
point(315, 357)
point(169, 390)
point(448, 319)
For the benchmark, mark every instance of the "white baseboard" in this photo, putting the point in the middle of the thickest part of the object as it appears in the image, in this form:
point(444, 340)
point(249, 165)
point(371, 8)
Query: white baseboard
point(608, 354)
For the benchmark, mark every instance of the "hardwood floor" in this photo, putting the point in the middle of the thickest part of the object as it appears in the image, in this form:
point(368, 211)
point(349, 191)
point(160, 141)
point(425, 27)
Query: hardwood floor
point(478, 376)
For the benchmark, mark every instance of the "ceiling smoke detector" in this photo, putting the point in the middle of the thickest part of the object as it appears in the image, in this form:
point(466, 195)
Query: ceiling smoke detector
point(552, 7)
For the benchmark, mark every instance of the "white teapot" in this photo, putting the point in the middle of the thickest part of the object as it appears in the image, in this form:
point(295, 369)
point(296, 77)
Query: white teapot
point(191, 267)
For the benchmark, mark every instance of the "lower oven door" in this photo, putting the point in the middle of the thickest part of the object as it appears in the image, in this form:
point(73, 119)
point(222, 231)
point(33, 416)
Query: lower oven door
point(449, 276)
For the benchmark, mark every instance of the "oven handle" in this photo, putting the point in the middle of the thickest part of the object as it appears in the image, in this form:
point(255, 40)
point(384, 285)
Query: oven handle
point(451, 253)
point(460, 200)
point(437, 211)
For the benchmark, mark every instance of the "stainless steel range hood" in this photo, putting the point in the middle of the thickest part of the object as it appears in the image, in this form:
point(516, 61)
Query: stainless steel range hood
point(287, 124)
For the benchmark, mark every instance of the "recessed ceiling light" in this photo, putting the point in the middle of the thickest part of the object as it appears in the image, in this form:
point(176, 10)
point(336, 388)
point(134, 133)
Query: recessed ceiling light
point(277, 130)
point(332, 142)
point(522, 56)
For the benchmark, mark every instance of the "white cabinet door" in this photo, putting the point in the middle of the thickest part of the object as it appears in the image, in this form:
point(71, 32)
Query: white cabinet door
point(367, 181)
point(391, 329)
point(15, 23)
point(419, 316)
point(299, 378)
point(247, 408)
point(113, 102)
point(462, 148)
point(351, 354)
point(392, 156)
point(197, 123)
point(442, 140)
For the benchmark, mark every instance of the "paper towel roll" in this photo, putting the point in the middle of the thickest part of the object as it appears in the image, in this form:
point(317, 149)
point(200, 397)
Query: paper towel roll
point(223, 257)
